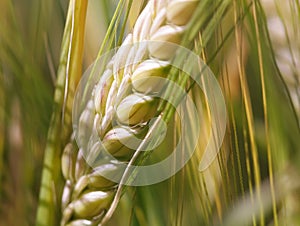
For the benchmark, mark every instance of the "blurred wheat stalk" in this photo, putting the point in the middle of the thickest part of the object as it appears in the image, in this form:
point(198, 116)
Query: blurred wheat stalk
point(250, 46)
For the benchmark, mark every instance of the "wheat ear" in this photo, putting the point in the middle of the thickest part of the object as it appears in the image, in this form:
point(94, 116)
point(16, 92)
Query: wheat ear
point(123, 96)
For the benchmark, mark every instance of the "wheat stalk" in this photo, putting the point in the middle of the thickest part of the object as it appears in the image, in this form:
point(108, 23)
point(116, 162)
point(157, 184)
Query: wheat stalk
point(121, 97)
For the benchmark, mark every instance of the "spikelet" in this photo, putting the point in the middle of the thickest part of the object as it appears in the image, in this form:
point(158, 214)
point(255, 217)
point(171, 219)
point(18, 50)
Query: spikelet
point(121, 106)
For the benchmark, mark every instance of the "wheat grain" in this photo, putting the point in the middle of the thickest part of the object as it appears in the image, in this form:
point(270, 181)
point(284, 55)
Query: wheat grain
point(123, 96)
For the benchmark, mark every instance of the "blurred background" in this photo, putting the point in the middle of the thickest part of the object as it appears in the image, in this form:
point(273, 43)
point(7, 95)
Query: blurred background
point(256, 178)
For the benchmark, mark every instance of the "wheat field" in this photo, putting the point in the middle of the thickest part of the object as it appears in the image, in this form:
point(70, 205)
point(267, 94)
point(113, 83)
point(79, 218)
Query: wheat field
point(85, 108)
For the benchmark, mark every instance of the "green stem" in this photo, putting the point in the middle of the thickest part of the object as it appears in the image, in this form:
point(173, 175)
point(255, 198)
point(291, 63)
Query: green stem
point(68, 75)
